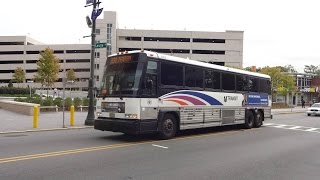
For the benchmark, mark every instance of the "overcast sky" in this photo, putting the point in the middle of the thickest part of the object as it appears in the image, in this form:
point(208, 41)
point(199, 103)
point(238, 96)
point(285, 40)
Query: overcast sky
point(276, 32)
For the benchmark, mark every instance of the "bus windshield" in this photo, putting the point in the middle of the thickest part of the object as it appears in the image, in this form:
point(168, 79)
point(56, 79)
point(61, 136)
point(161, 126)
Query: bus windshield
point(121, 77)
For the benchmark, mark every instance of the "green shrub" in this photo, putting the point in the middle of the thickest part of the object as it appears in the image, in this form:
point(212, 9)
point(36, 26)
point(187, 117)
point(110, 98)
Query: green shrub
point(85, 101)
point(67, 103)
point(15, 90)
point(36, 100)
point(77, 102)
point(58, 101)
point(48, 102)
point(19, 99)
point(29, 100)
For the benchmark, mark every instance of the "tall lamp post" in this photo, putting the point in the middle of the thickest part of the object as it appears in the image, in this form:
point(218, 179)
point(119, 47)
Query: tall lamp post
point(29, 84)
point(95, 13)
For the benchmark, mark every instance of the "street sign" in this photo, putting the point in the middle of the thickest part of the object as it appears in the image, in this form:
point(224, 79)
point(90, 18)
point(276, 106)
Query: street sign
point(89, 2)
point(101, 45)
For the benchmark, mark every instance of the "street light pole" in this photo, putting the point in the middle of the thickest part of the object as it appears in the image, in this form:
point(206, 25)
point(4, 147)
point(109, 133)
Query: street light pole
point(90, 116)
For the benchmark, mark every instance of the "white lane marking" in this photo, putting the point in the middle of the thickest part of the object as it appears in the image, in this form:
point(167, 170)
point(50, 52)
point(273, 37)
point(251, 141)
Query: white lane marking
point(312, 129)
point(280, 126)
point(268, 124)
point(295, 127)
point(160, 146)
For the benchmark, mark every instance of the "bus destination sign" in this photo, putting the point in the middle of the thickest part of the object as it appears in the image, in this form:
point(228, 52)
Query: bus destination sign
point(120, 59)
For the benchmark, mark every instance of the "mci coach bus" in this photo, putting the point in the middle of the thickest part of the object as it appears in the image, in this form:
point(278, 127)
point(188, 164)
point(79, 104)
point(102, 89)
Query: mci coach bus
point(148, 92)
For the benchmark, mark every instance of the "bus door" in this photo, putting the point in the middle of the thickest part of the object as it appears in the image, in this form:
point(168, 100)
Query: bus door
point(149, 100)
point(149, 83)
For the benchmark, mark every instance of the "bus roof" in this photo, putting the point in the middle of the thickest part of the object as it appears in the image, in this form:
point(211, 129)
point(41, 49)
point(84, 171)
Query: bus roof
point(195, 62)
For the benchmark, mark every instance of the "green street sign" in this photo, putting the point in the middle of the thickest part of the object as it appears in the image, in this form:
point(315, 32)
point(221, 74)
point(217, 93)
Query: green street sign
point(101, 45)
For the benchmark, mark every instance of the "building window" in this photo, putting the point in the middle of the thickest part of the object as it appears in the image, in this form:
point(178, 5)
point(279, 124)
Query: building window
point(166, 39)
point(133, 38)
point(10, 52)
point(97, 54)
point(11, 62)
point(198, 40)
point(207, 52)
point(97, 31)
point(77, 60)
point(77, 51)
point(109, 38)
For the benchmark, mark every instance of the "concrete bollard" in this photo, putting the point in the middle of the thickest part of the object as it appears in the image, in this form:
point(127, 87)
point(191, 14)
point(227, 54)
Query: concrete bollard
point(35, 116)
point(71, 115)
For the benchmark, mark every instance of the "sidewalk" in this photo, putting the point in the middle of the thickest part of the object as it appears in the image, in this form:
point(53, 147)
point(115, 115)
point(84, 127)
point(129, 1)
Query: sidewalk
point(289, 110)
point(10, 121)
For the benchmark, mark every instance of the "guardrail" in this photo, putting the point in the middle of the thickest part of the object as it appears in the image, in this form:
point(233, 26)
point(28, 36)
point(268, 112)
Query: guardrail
point(80, 107)
point(57, 107)
point(50, 107)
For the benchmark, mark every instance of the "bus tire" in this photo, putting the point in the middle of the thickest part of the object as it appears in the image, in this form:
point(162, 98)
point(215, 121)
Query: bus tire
point(168, 127)
point(249, 120)
point(258, 119)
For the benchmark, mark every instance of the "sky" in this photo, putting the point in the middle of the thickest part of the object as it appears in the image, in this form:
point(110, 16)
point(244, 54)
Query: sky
point(276, 32)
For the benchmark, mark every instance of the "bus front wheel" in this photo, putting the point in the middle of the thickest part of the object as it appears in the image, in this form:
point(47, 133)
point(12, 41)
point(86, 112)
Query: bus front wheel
point(168, 127)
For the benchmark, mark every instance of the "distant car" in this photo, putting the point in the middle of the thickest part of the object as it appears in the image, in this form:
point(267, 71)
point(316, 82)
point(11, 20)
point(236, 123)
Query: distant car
point(314, 109)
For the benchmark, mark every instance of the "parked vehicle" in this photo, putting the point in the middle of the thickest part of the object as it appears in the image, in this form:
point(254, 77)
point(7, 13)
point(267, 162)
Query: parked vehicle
point(314, 109)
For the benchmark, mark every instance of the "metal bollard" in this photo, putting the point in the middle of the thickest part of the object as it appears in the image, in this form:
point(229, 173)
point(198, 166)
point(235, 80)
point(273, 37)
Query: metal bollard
point(71, 115)
point(35, 116)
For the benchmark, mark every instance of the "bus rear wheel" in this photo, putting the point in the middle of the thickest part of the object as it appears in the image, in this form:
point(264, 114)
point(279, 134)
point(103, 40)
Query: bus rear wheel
point(249, 120)
point(168, 127)
point(258, 119)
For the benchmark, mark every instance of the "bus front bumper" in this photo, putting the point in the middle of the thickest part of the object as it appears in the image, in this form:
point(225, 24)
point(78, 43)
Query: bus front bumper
point(127, 126)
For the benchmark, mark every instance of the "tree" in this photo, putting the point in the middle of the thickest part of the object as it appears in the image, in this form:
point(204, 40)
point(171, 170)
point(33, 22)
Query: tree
point(247, 68)
point(310, 69)
point(71, 76)
point(250, 68)
point(287, 68)
point(19, 75)
point(281, 83)
point(48, 68)
point(10, 85)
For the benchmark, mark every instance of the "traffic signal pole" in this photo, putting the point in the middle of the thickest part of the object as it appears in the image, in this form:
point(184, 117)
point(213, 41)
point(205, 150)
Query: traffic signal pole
point(90, 116)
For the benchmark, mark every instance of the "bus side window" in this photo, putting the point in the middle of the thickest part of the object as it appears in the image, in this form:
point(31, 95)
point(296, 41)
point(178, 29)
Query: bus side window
point(150, 80)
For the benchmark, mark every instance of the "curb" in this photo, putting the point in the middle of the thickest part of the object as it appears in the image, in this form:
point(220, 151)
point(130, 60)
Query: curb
point(41, 130)
point(287, 113)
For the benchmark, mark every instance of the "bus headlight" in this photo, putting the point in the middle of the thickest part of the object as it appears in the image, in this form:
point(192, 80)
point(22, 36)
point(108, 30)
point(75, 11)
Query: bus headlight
point(131, 116)
point(99, 114)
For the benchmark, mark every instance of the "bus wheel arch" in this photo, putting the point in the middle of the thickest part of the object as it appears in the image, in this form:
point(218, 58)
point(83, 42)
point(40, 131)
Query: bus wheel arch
point(168, 125)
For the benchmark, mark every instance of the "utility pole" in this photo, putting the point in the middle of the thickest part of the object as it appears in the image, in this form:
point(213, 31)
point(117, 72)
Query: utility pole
point(90, 117)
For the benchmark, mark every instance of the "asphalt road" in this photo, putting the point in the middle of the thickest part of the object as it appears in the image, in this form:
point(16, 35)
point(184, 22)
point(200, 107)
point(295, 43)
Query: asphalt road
point(286, 147)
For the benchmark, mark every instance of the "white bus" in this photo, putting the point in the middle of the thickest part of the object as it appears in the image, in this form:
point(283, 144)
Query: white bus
point(148, 92)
